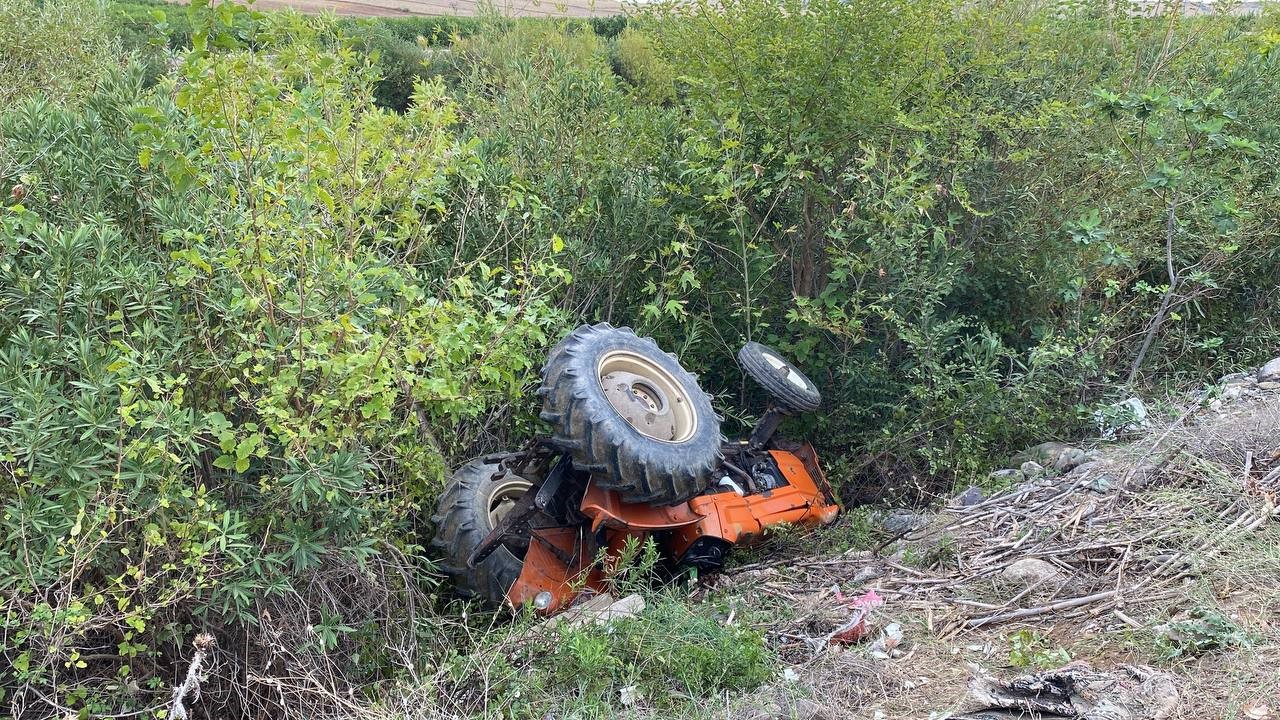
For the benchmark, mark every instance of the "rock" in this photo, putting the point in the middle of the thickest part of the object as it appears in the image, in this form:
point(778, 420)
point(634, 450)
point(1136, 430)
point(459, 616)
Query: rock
point(1232, 392)
point(1270, 372)
point(599, 610)
point(1142, 476)
point(1269, 385)
point(903, 521)
point(1121, 417)
point(1069, 459)
point(1045, 454)
point(1091, 463)
point(1031, 571)
point(1008, 476)
point(1237, 378)
point(1032, 470)
point(973, 495)
point(1059, 456)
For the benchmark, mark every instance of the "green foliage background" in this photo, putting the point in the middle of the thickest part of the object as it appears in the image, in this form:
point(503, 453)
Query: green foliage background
point(264, 277)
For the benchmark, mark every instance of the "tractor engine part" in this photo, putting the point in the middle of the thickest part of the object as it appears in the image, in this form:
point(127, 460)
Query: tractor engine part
point(630, 415)
point(563, 561)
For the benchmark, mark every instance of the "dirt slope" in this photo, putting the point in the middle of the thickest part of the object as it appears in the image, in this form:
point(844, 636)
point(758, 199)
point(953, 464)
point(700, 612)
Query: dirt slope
point(1159, 559)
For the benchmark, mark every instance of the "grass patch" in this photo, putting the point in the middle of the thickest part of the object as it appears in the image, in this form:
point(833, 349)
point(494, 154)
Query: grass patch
point(672, 658)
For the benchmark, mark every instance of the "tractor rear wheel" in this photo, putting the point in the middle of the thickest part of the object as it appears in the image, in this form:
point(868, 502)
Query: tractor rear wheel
point(630, 415)
point(472, 504)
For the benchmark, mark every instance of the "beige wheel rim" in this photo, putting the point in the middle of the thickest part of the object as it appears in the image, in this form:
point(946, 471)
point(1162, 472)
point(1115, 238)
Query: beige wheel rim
point(648, 397)
point(503, 497)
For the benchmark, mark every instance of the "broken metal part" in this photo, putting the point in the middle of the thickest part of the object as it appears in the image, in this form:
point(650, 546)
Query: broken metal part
point(552, 498)
point(513, 525)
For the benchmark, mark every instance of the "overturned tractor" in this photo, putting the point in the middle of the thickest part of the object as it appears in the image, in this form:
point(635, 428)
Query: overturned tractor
point(635, 452)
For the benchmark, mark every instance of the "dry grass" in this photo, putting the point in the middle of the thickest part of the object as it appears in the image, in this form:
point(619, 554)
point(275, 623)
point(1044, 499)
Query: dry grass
point(1182, 519)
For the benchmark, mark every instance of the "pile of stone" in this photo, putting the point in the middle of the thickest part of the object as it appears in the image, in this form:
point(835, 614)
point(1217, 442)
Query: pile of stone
point(1247, 385)
point(1043, 459)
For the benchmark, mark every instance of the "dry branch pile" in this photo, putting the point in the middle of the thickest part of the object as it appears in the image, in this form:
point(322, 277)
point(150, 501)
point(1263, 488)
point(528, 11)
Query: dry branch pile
point(1096, 546)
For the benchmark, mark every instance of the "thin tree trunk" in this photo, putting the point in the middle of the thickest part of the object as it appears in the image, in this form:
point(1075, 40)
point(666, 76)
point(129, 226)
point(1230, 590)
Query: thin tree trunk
point(1170, 227)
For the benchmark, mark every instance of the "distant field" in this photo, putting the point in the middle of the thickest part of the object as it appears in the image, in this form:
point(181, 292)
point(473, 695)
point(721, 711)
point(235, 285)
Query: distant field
point(518, 8)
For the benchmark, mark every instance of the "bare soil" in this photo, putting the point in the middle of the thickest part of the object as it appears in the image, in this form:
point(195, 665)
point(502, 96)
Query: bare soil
point(1172, 524)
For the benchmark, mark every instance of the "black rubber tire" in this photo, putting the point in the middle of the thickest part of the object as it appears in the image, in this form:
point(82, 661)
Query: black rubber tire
point(788, 395)
point(462, 521)
point(640, 468)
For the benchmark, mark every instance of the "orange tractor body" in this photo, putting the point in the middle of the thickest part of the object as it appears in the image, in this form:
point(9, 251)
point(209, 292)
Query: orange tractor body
point(563, 562)
point(635, 453)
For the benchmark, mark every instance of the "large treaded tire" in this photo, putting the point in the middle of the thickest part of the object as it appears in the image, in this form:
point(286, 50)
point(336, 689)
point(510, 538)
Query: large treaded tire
point(600, 441)
point(462, 521)
point(774, 379)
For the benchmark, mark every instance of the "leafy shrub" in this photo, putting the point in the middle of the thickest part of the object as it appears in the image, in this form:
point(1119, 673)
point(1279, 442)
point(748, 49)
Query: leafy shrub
point(1030, 649)
point(235, 358)
point(610, 26)
point(140, 22)
point(247, 316)
point(1203, 630)
point(56, 47)
point(668, 648)
point(441, 30)
point(401, 63)
point(637, 62)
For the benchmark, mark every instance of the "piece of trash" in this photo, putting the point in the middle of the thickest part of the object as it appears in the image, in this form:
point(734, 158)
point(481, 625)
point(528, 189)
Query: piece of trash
point(857, 626)
point(599, 610)
point(886, 646)
point(1076, 690)
point(1122, 417)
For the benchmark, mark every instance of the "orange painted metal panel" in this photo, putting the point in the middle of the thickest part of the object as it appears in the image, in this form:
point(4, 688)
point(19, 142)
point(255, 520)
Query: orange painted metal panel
point(561, 561)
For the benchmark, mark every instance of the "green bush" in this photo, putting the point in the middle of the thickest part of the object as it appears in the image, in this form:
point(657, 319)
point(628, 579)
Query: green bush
point(401, 63)
point(667, 653)
point(56, 47)
point(433, 30)
point(248, 316)
point(654, 79)
point(235, 360)
point(670, 658)
point(141, 23)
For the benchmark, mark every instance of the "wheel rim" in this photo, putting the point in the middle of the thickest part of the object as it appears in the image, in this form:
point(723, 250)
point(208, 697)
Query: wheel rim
point(794, 376)
point(503, 497)
point(648, 397)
